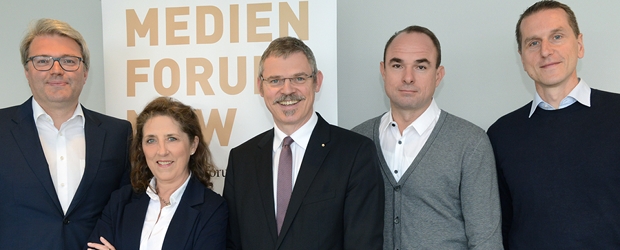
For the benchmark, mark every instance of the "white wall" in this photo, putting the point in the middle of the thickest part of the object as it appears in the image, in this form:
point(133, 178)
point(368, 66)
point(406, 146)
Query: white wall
point(484, 77)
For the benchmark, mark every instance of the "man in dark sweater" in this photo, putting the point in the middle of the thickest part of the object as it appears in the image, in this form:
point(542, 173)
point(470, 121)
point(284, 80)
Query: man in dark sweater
point(558, 157)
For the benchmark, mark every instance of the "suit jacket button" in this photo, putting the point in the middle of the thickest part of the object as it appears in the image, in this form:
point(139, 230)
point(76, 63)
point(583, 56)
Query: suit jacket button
point(66, 221)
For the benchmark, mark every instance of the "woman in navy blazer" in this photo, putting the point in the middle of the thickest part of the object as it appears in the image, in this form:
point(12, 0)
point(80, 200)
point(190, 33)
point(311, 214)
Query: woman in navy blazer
point(169, 204)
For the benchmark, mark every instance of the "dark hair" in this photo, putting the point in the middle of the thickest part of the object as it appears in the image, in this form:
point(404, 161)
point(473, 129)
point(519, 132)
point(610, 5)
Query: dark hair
point(200, 163)
point(284, 47)
point(547, 5)
point(46, 26)
point(417, 29)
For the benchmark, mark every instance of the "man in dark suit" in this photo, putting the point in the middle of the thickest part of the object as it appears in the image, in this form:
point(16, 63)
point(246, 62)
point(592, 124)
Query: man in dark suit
point(61, 161)
point(320, 190)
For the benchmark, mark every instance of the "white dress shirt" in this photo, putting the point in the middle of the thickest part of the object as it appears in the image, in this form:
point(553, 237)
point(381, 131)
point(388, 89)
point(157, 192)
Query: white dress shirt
point(64, 149)
point(158, 218)
point(581, 94)
point(400, 150)
point(298, 149)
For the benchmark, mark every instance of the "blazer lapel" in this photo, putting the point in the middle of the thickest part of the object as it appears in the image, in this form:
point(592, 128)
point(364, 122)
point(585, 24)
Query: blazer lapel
point(315, 154)
point(131, 227)
point(27, 138)
point(264, 176)
point(184, 217)
point(94, 137)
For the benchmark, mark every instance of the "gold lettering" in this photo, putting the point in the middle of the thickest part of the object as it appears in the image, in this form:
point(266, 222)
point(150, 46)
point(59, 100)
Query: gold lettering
point(214, 124)
point(132, 77)
point(132, 116)
point(175, 77)
point(172, 26)
point(241, 77)
point(287, 16)
point(218, 24)
point(135, 26)
point(201, 78)
point(234, 23)
point(254, 22)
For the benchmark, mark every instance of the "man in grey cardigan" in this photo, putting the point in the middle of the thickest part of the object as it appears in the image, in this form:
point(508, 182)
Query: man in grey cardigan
point(438, 169)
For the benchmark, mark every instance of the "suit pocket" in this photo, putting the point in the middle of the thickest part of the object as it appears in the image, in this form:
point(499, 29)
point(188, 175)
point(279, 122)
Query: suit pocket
point(318, 197)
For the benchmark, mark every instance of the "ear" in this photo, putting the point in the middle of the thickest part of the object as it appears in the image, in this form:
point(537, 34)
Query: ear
point(319, 81)
point(439, 75)
point(580, 46)
point(382, 69)
point(194, 145)
point(85, 75)
point(259, 86)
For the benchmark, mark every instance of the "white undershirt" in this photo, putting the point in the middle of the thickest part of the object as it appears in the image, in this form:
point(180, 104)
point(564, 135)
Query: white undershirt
point(158, 219)
point(298, 149)
point(64, 149)
point(400, 150)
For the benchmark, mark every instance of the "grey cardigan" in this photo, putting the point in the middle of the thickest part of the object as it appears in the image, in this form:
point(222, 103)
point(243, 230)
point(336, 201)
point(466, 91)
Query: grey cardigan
point(448, 197)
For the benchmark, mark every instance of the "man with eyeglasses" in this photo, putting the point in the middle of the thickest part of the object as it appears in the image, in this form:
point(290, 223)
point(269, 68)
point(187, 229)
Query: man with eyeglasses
point(60, 161)
point(305, 184)
point(438, 169)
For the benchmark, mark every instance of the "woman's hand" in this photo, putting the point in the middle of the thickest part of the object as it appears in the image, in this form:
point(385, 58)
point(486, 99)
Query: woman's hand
point(105, 246)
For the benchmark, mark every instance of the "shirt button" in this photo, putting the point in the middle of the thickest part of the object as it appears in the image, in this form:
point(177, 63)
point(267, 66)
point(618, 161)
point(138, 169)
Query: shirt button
point(62, 184)
point(396, 171)
point(62, 158)
point(400, 142)
point(66, 221)
point(397, 188)
point(393, 124)
point(60, 134)
point(396, 220)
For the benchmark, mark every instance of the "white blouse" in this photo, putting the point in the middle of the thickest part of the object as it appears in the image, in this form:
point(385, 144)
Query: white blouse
point(154, 230)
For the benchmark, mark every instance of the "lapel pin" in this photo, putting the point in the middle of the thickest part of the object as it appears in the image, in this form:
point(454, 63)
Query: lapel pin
point(322, 144)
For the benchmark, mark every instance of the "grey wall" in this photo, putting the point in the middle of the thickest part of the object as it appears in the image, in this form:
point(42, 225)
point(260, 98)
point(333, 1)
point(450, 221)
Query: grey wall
point(484, 77)
point(16, 15)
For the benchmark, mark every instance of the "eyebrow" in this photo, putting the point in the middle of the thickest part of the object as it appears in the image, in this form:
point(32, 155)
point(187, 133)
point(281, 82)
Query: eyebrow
point(419, 61)
point(155, 136)
point(553, 31)
point(294, 75)
point(54, 56)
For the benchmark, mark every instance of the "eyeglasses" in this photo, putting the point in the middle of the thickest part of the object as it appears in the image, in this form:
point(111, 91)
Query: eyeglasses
point(45, 63)
point(278, 82)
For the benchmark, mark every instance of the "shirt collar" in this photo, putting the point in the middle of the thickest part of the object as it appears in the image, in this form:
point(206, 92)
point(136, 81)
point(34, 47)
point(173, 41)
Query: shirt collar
point(300, 137)
point(38, 111)
point(581, 94)
point(176, 195)
point(420, 124)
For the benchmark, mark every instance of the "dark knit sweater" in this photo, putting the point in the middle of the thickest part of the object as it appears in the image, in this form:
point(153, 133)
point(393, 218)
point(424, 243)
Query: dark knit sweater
point(559, 175)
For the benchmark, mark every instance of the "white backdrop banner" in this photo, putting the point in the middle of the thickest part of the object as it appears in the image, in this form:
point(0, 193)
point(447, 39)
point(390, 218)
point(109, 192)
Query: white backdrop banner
point(206, 54)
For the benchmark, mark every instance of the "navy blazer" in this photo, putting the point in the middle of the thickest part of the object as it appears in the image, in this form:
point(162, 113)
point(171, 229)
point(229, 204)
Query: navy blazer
point(30, 214)
point(198, 223)
point(337, 201)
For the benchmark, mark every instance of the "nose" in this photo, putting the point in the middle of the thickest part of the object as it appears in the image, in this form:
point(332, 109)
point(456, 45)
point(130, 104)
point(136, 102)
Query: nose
point(161, 148)
point(287, 87)
point(408, 77)
point(546, 48)
point(56, 68)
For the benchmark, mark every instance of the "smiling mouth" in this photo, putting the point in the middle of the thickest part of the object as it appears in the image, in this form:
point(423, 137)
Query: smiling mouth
point(549, 65)
point(164, 162)
point(288, 100)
